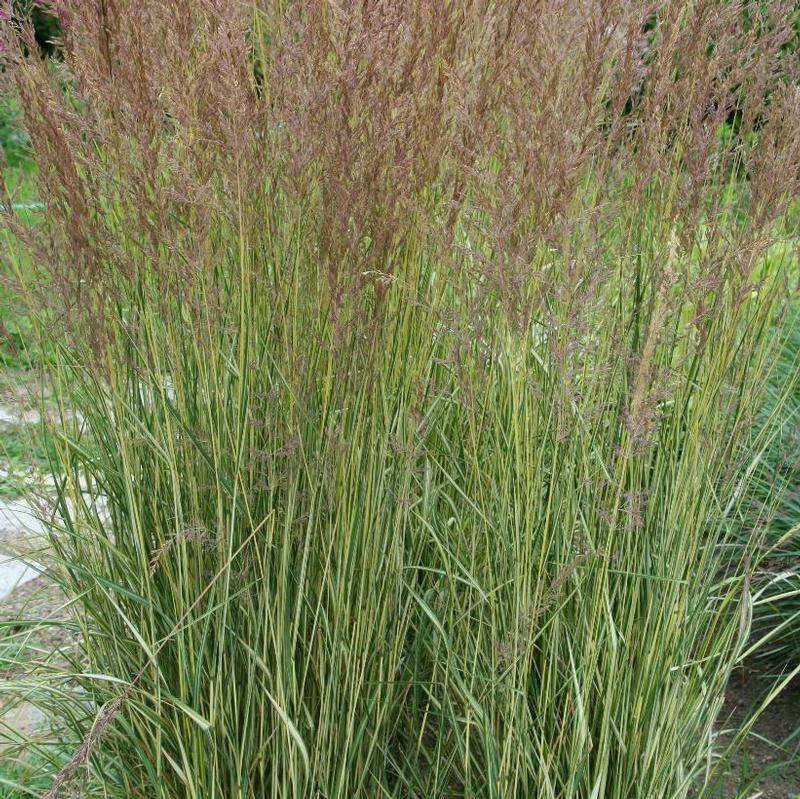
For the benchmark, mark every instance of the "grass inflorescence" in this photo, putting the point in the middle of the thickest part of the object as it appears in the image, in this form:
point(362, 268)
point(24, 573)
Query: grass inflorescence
point(419, 352)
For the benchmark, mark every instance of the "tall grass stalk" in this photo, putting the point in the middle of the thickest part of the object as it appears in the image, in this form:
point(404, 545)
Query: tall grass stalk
point(415, 396)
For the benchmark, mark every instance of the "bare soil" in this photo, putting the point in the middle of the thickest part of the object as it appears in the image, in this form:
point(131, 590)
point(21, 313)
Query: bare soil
point(767, 764)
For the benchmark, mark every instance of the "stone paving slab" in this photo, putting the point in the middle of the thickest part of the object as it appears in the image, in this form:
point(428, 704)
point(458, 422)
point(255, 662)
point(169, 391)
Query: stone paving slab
point(14, 573)
point(18, 516)
point(16, 416)
point(19, 527)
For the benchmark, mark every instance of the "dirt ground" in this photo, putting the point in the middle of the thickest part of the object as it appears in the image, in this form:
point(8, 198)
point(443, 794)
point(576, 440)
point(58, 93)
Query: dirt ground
point(768, 764)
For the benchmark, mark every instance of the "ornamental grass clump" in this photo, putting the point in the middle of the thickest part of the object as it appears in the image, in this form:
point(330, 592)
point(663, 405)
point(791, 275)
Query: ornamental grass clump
point(409, 357)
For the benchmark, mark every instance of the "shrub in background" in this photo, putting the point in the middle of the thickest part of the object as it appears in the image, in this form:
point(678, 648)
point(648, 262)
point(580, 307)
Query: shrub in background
point(417, 350)
point(777, 600)
point(12, 137)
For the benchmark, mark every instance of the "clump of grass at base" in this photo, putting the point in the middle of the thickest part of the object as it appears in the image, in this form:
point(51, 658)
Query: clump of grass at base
point(415, 395)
